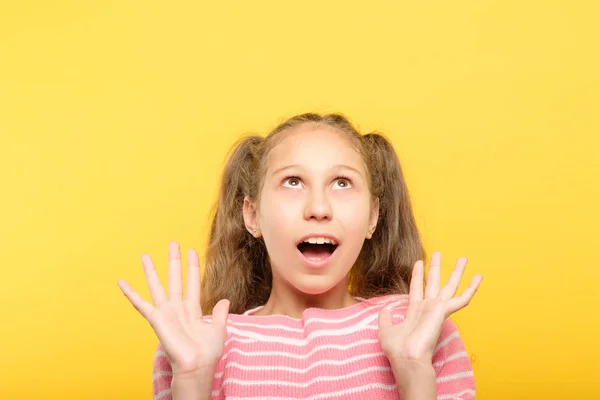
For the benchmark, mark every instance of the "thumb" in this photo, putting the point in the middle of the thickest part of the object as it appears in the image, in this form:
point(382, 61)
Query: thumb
point(220, 313)
point(385, 318)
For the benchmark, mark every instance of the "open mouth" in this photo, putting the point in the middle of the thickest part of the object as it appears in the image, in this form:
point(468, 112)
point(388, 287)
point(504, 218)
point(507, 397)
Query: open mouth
point(317, 249)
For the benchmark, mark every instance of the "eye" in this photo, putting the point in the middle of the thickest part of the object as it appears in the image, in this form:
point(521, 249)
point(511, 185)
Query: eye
point(343, 183)
point(292, 182)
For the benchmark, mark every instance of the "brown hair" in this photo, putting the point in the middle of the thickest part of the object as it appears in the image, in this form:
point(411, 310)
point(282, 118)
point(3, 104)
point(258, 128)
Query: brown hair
point(237, 264)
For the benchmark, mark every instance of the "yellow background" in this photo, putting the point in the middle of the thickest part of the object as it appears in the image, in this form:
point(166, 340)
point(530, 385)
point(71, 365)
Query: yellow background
point(116, 116)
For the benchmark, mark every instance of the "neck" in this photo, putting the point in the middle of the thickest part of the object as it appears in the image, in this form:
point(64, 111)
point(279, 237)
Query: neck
point(285, 300)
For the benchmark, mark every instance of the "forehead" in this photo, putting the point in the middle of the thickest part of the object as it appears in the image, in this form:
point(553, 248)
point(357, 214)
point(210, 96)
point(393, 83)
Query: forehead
point(315, 147)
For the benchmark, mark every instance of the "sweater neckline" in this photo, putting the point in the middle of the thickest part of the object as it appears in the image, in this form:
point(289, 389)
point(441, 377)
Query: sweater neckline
point(361, 303)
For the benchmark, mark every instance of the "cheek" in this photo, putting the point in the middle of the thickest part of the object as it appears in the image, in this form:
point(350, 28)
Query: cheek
point(279, 212)
point(352, 211)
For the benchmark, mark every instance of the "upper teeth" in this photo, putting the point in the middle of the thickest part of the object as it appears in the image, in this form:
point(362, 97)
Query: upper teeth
point(320, 240)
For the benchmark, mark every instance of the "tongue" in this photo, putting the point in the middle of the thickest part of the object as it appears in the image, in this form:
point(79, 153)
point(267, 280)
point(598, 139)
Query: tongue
point(316, 252)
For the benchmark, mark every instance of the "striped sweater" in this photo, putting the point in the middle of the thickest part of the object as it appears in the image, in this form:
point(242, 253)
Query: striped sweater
point(327, 354)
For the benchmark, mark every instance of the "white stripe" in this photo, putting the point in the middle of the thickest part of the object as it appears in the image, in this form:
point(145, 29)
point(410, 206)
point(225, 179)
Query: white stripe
point(300, 356)
point(247, 312)
point(363, 324)
point(446, 341)
point(457, 396)
point(339, 320)
point(265, 326)
point(453, 377)
point(341, 393)
point(240, 340)
point(299, 384)
point(389, 305)
point(460, 354)
point(302, 370)
point(361, 299)
point(290, 329)
point(309, 338)
point(160, 353)
point(161, 373)
point(309, 321)
point(162, 394)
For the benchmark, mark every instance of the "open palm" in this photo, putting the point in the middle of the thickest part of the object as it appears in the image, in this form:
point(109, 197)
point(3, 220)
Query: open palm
point(191, 344)
point(415, 338)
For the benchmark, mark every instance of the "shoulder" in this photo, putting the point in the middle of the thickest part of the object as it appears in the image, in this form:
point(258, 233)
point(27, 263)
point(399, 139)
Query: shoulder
point(388, 301)
point(452, 364)
point(451, 360)
point(396, 303)
point(450, 351)
point(161, 373)
point(450, 343)
point(161, 361)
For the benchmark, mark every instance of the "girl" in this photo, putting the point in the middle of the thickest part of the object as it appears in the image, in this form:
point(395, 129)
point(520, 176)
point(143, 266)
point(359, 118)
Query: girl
point(314, 277)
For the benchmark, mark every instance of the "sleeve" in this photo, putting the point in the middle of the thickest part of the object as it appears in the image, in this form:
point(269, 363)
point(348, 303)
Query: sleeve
point(162, 374)
point(452, 365)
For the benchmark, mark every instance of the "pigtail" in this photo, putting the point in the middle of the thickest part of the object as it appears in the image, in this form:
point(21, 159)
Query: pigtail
point(386, 260)
point(237, 266)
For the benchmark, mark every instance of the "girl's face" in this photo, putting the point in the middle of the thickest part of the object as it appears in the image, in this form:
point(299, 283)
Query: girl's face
point(315, 190)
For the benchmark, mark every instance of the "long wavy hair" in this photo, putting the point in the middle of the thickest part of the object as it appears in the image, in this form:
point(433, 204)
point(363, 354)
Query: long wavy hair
point(237, 264)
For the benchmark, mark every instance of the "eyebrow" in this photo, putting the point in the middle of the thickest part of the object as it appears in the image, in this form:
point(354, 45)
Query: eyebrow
point(336, 167)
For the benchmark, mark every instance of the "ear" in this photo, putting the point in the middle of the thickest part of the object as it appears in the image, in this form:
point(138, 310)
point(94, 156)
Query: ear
point(251, 217)
point(374, 217)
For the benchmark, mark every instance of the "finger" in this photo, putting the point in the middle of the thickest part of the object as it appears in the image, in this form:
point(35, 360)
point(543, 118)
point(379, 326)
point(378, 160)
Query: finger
point(415, 296)
point(220, 313)
point(464, 299)
point(192, 296)
point(157, 291)
point(385, 318)
point(433, 276)
point(138, 302)
point(175, 284)
point(450, 288)
point(416, 282)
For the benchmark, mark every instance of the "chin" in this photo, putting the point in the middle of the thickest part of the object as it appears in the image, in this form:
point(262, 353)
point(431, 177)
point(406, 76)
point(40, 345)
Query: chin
point(315, 285)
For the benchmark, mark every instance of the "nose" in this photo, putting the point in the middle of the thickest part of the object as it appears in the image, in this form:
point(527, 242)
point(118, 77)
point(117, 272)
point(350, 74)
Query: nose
point(317, 207)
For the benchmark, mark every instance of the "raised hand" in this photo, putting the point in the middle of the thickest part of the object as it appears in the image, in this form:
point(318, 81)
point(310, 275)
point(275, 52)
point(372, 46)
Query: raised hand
point(192, 345)
point(414, 340)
